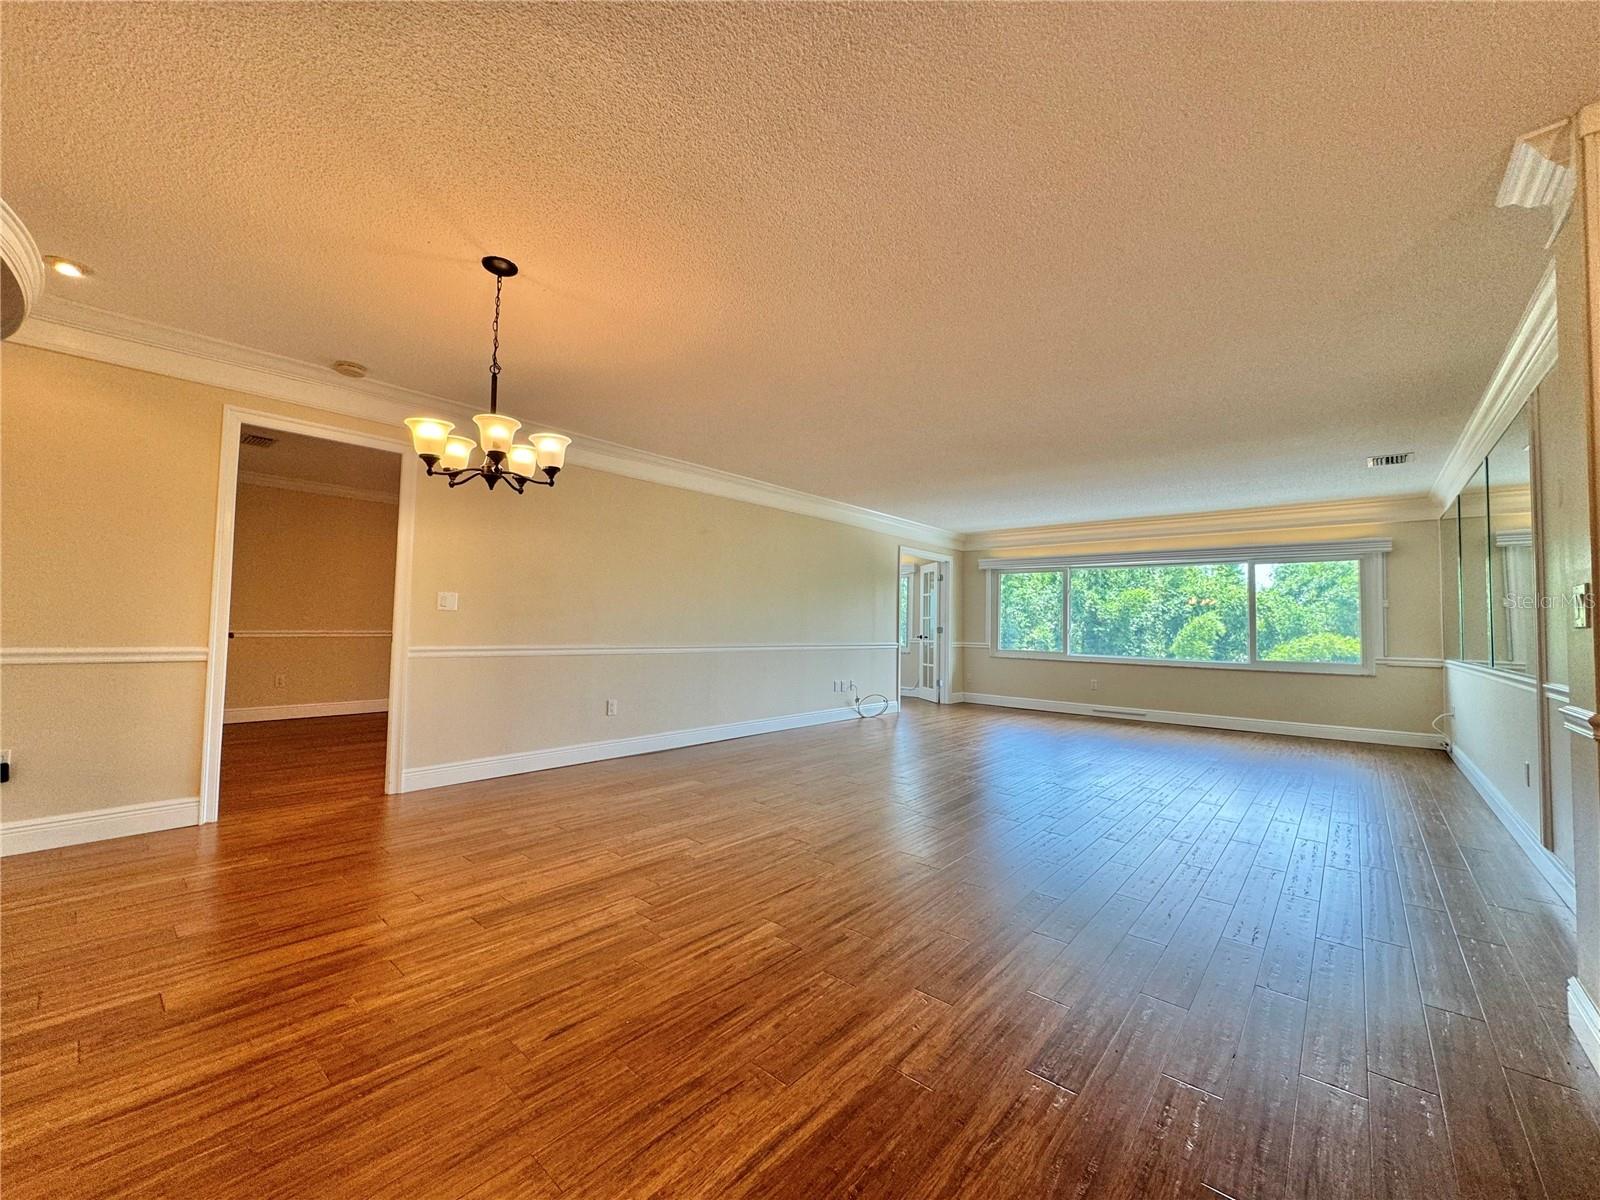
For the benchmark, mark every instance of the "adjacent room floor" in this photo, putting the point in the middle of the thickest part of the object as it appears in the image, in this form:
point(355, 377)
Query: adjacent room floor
point(963, 952)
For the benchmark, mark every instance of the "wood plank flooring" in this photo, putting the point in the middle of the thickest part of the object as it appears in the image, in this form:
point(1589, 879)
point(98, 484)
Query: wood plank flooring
point(964, 952)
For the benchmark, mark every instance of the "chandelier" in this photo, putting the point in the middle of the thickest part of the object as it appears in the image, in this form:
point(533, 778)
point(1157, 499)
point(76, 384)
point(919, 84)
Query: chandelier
point(505, 460)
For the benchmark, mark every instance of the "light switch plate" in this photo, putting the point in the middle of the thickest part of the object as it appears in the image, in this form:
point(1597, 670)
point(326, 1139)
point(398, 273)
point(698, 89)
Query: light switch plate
point(449, 601)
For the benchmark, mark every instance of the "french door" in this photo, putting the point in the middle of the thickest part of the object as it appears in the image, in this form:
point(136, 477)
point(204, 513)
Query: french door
point(927, 632)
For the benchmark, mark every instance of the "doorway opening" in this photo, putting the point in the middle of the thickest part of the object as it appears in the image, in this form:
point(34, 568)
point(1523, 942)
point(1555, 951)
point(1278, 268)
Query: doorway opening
point(924, 596)
point(304, 682)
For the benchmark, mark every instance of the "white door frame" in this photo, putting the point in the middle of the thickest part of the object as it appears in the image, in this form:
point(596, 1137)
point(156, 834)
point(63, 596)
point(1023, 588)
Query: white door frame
point(943, 651)
point(234, 419)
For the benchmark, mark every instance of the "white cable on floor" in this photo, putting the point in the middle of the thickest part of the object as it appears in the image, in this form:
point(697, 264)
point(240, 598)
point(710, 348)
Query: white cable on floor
point(1444, 716)
point(871, 697)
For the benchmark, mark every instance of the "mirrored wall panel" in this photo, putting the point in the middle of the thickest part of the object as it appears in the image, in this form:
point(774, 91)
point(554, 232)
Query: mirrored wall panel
point(1473, 511)
point(1514, 611)
point(1450, 579)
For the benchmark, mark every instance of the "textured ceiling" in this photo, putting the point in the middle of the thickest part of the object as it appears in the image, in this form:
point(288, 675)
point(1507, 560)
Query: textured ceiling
point(976, 265)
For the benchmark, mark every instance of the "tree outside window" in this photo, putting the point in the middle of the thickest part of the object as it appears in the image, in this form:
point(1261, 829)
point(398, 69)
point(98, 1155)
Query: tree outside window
point(1305, 612)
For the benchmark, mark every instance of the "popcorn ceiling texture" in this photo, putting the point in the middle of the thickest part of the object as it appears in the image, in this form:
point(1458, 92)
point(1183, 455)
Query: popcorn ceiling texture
point(977, 265)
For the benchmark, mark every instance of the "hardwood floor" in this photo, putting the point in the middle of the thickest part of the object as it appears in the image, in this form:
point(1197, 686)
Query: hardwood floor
point(965, 952)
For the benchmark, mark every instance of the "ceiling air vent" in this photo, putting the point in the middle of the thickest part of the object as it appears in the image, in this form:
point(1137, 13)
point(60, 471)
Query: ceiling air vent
point(1389, 460)
point(257, 439)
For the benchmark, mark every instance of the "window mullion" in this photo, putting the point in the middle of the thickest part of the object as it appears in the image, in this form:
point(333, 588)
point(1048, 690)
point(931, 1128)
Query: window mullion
point(1250, 611)
point(1066, 610)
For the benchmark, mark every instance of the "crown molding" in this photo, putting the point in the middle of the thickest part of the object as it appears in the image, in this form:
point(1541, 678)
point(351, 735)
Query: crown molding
point(1529, 354)
point(289, 484)
point(674, 472)
point(21, 253)
point(71, 328)
point(1384, 510)
point(1541, 174)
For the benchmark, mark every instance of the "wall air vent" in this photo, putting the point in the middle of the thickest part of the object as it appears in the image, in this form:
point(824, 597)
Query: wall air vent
point(1389, 460)
point(257, 439)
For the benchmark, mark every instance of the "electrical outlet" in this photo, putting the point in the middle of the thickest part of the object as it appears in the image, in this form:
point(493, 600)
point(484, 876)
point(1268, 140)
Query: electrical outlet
point(611, 708)
point(449, 601)
point(1094, 685)
point(280, 680)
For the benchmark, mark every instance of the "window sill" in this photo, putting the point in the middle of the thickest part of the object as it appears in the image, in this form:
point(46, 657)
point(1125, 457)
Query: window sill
point(1265, 668)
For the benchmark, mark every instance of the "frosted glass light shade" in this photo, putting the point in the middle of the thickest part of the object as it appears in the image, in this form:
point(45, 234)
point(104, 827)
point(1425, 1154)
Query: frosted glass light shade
point(457, 453)
point(495, 432)
point(551, 449)
point(523, 459)
point(428, 434)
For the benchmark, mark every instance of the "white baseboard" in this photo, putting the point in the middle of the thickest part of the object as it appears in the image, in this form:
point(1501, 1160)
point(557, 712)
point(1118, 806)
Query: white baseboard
point(444, 774)
point(1584, 1018)
point(97, 825)
point(1337, 733)
point(1552, 868)
point(297, 712)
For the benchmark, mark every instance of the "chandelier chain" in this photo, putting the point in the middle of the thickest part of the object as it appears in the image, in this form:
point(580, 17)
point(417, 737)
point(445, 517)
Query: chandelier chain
point(494, 356)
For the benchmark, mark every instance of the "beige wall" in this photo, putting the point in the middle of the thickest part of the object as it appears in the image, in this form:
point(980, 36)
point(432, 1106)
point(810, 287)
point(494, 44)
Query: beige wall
point(315, 564)
point(1562, 404)
point(77, 570)
point(1495, 728)
point(1573, 389)
point(1396, 698)
point(646, 574)
point(602, 560)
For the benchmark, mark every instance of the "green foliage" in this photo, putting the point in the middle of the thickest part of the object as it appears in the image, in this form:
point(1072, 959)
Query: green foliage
point(1199, 638)
point(1309, 612)
point(1317, 647)
point(1305, 612)
point(1193, 613)
point(1030, 611)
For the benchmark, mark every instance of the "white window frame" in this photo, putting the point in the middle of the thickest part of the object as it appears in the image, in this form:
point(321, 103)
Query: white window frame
point(1370, 553)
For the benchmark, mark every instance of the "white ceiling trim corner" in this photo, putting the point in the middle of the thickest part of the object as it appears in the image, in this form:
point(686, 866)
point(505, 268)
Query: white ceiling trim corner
point(1542, 173)
point(1383, 510)
point(21, 254)
point(86, 332)
point(1528, 356)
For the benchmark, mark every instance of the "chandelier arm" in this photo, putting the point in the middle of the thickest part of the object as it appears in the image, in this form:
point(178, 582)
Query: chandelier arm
point(541, 480)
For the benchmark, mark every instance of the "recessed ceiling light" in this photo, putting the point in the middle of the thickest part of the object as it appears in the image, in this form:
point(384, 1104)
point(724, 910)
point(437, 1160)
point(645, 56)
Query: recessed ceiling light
point(65, 266)
point(350, 370)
